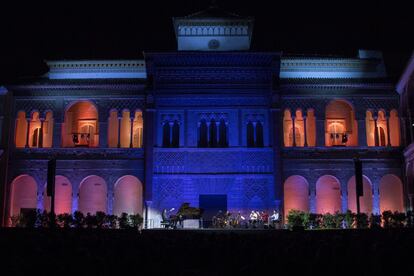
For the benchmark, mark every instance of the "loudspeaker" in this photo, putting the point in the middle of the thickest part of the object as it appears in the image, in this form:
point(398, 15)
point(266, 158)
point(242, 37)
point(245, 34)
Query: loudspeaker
point(51, 174)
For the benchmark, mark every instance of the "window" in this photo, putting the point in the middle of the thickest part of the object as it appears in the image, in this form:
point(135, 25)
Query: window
point(340, 125)
point(81, 127)
point(212, 133)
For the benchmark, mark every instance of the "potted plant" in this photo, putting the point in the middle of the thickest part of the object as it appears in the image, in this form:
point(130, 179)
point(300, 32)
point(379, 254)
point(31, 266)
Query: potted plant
point(136, 221)
point(123, 221)
point(78, 219)
point(296, 220)
point(100, 219)
point(386, 219)
point(65, 220)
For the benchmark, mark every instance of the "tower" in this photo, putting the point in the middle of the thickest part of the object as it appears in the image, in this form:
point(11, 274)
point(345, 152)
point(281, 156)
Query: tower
point(213, 30)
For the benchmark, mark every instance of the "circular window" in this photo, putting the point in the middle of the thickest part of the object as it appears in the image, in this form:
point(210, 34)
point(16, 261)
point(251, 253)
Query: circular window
point(213, 44)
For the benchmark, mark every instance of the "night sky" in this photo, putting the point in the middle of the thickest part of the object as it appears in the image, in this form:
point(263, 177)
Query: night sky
point(31, 34)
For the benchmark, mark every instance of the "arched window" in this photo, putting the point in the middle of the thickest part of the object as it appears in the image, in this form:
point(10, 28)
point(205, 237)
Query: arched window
point(287, 129)
point(391, 194)
point(299, 129)
point(138, 130)
point(222, 134)
point(213, 134)
point(370, 128)
point(113, 123)
point(23, 194)
point(250, 134)
point(63, 196)
point(202, 130)
point(394, 128)
point(259, 134)
point(166, 134)
point(92, 195)
point(365, 200)
point(328, 195)
point(310, 128)
point(21, 130)
point(125, 133)
point(34, 130)
point(296, 194)
point(340, 125)
point(382, 129)
point(175, 142)
point(47, 130)
point(81, 128)
point(128, 196)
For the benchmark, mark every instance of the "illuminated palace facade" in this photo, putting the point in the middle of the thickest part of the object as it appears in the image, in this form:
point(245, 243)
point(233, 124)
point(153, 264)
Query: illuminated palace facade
point(211, 123)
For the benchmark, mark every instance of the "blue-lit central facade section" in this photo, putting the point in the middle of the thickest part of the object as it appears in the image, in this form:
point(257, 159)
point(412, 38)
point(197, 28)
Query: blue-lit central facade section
point(213, 97)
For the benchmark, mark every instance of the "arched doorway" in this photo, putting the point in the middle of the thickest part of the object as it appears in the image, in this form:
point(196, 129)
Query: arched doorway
point(128, 196)
point(63, 196)
point(340, 124)
point(296, 194)
point(92, 195)
point(391, 194)
point(328, 195)
point(81, 128)
point(23, 194)
point(365, 200)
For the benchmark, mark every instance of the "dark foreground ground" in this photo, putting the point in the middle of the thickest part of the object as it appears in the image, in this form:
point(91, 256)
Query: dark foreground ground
point(206, 252)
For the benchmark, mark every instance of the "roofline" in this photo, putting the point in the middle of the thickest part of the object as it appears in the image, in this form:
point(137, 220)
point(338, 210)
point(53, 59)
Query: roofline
point(406, 75)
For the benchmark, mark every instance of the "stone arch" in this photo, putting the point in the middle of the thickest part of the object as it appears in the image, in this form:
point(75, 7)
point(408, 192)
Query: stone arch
point(328, 195)
point(23, 194)
point(391, 193)
point(296, 194)
point(341, 128)
point(113, 126)
point(21, 130)
point(34, 130)
point(81, 125)
point(138, 129)
point(287, 127)
point(370, 128)
point(47, 139)
point(125, 132)
point(63, 196)
point(382, 129)
point(394, 123)
point(311, 127)
point(299, 128)
point(365, 200)
point(92, 195)
point(128, 196)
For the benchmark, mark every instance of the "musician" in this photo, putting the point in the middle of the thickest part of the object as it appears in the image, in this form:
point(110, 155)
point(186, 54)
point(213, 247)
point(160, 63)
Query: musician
point(253, 218)
point(275, 219)
point(265, 218)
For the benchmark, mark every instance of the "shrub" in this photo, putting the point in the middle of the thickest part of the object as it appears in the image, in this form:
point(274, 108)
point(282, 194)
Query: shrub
point(349, 219)
point(136, 220)
point(123, 221)
point(78, 219)
point(100, 219)
point(398, 219)
point(65, 220)
point(296, 219)
point(362, 220)
point(328, 221)
point(43, 219)
point(386, 219)
point(311, 221)
point(375, 221)
point(111, 221)
point(90, 221)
